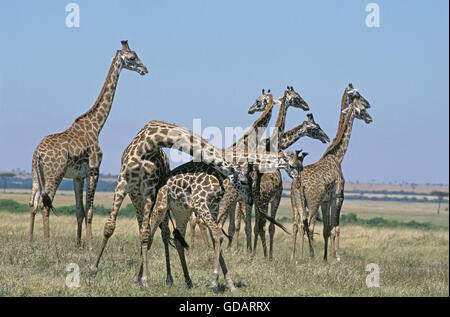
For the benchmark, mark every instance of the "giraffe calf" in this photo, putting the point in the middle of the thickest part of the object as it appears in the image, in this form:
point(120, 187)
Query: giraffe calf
point(191, 188)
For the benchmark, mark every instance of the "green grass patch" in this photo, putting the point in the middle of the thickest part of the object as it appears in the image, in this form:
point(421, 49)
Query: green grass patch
point(129, 211)
point(377, 222)
point(15, 207)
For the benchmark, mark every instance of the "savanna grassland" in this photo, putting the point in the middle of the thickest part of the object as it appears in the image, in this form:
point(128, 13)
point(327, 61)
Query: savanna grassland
point(412, 262)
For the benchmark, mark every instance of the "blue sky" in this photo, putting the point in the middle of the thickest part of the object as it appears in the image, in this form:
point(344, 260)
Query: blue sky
point(210, 60)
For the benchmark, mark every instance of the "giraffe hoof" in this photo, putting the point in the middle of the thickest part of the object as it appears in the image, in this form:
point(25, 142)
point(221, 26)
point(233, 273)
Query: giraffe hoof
point(189, 284)
point(135, 280)
point(215, 289)
point(169, 281)
point(144, 281)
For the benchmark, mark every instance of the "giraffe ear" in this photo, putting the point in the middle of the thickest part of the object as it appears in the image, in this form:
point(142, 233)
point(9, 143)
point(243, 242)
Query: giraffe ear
point(297, 152)
point(268, 91)
point(303, 156)
point(125, 45)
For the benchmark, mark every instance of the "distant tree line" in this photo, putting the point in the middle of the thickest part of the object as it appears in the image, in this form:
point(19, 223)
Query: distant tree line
point(66, 184)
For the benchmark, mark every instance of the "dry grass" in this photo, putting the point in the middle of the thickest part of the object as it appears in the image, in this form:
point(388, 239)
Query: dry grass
point(412, 263)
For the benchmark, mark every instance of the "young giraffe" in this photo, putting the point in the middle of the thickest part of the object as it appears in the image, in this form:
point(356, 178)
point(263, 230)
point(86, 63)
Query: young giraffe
point(144, 170)
point(270, 184)
point(76, 153)
point(196, 187)
point(322, 184)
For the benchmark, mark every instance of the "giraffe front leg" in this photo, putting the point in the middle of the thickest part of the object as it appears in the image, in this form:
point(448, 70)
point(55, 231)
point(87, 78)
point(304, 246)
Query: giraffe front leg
point(78, 189)
point(93, 179)
point(326, 228)
point(248, 226)
point(237, 223)
point(335, 230)
point(145, 243)
point(232, 223)
point(150, 223)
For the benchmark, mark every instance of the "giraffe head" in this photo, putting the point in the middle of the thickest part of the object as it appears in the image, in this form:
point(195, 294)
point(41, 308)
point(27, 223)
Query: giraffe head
point(261, 102)
point(359, 103)
point(314, 131)
point(130, 60)
point(295, 162)
point(292, 163)
point(292, 99)
point(241, 179)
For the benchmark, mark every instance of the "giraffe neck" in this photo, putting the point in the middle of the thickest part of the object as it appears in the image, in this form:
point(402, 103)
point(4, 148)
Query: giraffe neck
point(160, 134)
point(249, 141)
point(96, 116)
point(290, 137)
point(339, 146)
point(272, 143)
point(163, 134)
point(262, 161)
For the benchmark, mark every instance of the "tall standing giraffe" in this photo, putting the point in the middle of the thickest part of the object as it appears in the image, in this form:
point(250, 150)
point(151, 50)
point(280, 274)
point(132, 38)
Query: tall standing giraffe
point(322, 184)
point(76, 153)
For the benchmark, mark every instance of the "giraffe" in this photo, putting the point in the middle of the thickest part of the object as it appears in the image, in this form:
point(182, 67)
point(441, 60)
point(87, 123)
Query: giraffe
point(144, 171)
point(270, 184)
point(322, 184)
point(197, 187)
point(76, 153)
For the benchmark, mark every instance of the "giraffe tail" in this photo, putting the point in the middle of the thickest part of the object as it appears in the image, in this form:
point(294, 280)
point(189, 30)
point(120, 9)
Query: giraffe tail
point(272, 220)
point(46, 200)
point(225, 234)
point(177, 235)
